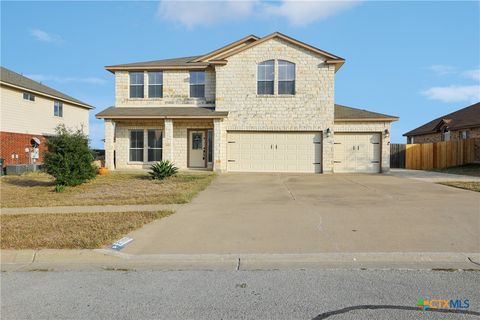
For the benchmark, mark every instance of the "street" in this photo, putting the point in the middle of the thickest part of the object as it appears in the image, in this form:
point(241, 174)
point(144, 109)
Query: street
point(292, 294)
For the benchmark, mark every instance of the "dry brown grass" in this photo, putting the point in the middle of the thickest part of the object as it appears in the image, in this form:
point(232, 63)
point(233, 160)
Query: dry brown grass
point(468, 185)
point(70, 231)
point(37, 190)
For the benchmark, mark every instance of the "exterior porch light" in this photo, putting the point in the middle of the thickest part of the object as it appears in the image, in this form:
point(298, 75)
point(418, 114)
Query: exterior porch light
point(386, 133)
point(328, 132)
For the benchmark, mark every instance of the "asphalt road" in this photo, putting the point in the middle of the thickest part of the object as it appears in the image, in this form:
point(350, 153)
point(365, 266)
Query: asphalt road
point(293, 294)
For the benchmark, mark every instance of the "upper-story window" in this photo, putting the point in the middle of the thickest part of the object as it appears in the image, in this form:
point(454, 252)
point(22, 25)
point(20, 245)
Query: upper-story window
point(155, 84)
point(265, 77)
point(28, 96)
point(286, 77)
point(58, 109)
point(197, 84)
point(136, 84)
point(445, 136)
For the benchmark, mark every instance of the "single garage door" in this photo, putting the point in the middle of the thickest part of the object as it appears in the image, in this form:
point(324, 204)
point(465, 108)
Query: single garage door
point(357, 152)
point(251, 151)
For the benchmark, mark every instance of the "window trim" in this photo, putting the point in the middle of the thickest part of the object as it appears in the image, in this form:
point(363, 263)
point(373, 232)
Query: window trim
point(58, 112)
point(155, 84)
point(281, 81)
point(130, 85)
point(196, 84)
point(154, 148)
point(273, 80)
point(136, 148)
point(29, 96)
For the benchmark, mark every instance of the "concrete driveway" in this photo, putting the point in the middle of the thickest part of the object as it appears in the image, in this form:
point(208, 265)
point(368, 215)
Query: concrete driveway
point(286, 213)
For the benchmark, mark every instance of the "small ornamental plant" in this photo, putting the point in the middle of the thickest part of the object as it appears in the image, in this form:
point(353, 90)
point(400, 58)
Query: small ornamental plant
point(69, 159)
point(162, 169)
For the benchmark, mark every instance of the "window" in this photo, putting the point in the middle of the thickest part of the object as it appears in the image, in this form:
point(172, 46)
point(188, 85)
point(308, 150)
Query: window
point(136, 84)
point(136, 145)
point(197, 84)
point(210, 145)
point(154, 145)
point(286, 77)
point(197, 142)
point(28, 96)
point(58, 109)
point(155, 84)
point(445, 135)
point(265, 77)
point(465, 134)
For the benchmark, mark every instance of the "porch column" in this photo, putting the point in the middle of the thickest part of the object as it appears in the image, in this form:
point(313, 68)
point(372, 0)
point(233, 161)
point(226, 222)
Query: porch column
point(168, 140)
point(219, 146)
point(109, 144)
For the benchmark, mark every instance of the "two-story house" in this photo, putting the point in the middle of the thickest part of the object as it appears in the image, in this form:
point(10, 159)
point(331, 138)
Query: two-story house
point(255, 105)
point(30, 111)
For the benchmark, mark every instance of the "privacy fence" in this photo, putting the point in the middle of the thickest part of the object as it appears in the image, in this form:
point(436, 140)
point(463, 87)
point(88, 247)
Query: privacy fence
point(435, 155)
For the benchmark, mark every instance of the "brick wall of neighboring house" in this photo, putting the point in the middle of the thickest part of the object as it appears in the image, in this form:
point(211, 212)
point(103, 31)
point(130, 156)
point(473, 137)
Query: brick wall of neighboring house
point(11, 142)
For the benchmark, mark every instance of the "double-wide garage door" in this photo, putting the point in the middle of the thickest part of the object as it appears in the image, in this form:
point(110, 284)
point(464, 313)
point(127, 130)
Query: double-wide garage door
point(357, 152)
point(274, 151)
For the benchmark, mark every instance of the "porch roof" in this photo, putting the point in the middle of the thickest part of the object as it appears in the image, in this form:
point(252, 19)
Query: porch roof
point(160, 113)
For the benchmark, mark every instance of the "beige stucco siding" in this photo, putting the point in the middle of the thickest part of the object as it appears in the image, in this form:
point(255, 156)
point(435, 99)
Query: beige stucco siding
point(310, 109)
point(370, 127)
point(36, 117)
point(176, 90)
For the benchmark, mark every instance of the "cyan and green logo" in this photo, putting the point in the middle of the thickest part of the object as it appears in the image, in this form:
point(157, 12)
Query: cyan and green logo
point(425, 304)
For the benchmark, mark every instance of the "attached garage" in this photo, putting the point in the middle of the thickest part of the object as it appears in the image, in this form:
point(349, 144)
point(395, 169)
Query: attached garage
point(357, 152)
point(255, 151)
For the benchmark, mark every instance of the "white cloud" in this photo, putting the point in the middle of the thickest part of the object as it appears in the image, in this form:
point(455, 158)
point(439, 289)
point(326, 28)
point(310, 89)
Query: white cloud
point(454, 93)
point(301, 13)
point(88, 80)
point(472, 74)
point(43, 36)
point(206, 13)
point(442, 70)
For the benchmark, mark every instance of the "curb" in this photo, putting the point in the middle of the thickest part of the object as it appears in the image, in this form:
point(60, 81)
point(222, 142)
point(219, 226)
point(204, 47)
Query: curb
point(106, 259)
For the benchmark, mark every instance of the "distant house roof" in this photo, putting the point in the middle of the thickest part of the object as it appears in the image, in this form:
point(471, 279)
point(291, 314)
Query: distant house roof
point(218, 56)
point(344, 113)
point(468, 117)
point(159, 113)
point(11, 78)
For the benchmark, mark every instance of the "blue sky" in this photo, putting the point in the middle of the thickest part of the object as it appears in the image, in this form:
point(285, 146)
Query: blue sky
point(415, 60)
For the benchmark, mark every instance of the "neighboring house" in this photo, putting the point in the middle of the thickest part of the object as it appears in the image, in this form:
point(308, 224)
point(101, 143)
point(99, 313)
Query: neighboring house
point(30, 110)
point(255, 105)
point(458, 125)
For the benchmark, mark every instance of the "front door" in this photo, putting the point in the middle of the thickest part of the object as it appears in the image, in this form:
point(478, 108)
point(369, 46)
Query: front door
point(197, 149)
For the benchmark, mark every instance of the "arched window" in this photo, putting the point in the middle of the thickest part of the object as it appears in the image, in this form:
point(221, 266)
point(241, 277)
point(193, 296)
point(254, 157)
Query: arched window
point(265, 77)
point(286, 77)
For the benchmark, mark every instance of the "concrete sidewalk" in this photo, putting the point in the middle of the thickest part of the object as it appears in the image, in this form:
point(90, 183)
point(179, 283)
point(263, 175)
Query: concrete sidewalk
point(430, 176)
point(83, 209)
point(106, 259)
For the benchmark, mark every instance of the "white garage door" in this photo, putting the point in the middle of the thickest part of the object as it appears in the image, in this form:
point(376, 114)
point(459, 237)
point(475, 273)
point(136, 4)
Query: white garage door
point(357, 152)
point(274, 151)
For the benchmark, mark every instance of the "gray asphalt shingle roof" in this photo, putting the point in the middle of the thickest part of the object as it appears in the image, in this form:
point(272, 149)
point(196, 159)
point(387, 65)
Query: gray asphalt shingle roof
point(13, 78)
point(349, 113)
point(160, 112)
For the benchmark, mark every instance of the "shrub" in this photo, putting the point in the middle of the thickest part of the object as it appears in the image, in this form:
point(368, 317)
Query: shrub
point(68, 159)
point(162, 170)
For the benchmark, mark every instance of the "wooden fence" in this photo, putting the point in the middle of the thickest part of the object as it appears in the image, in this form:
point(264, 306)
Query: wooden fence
point(397, 155)
point(439, 155)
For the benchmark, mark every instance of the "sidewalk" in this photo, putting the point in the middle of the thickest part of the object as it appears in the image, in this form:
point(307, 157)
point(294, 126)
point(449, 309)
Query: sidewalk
point(106, 259)
point(430, 176)
point(83, 209)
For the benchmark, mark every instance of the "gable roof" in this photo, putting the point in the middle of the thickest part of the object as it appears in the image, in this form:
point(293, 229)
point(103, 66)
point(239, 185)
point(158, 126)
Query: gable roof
point(344, 113)
point(468, 117)
point(218, 56)
point(13, 79)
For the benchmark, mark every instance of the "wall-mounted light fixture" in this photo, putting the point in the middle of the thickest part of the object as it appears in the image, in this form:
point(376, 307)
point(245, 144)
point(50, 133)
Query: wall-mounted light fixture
point(328, 132)
point(386, 133)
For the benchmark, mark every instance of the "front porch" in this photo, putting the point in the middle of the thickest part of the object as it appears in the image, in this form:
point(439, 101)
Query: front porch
point(136, 142)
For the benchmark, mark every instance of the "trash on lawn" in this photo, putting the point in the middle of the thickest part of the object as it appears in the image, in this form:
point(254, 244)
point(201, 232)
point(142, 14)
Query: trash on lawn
point(120, 244)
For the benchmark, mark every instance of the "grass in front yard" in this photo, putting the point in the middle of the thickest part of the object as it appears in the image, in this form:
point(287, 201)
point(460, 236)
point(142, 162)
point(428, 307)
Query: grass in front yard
point(472, 169)
point(70, 231)
point(37, 190)
point(468, 185)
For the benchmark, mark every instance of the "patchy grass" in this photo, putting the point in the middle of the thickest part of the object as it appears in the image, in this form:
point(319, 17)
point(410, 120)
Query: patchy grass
point(472, 169)
point(70, 231)
point(113, 189)
point(467, 185)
